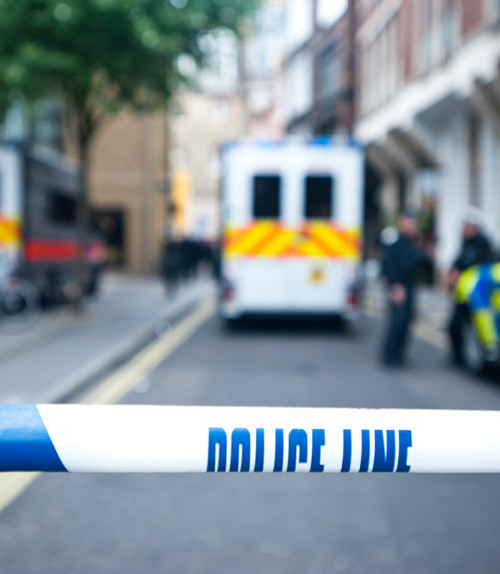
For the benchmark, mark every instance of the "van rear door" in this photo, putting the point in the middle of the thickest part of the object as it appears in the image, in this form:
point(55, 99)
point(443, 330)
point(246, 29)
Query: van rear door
point(318, 281)
point(261, 277)
point(329, 219)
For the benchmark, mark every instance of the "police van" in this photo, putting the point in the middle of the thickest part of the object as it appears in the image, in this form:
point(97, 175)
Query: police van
point(292, 216)
point(38, 227)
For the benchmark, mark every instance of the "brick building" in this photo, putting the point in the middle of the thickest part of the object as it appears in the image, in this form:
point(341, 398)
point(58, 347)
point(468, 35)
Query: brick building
point(319, 67)
point(203, 118)
point(127, 175)
point(428, 107)
point(202, 122)
point(263, 52)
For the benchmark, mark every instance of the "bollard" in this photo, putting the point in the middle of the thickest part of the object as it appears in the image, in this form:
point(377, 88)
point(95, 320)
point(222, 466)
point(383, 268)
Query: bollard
point(129, 438)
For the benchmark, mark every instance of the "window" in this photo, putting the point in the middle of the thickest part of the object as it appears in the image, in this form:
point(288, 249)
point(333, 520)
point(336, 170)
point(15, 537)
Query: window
point(426, 30)
point(299, 24)
point(450, 27)
point(328, 12)
point(61, 208)
point(219, 112)
point(475, 160)
point(266, 196)
point(299, 85)
point(214, 163)
point(329, 72)
point(110, 225)
point(319, 196)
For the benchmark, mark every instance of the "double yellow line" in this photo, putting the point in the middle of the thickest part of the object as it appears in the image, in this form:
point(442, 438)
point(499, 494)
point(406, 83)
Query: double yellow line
point(424, 330)
point(117, 385)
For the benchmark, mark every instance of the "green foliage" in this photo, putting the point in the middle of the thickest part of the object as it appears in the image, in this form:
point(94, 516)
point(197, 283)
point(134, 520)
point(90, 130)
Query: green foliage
point(426, 220)
point(100, 55)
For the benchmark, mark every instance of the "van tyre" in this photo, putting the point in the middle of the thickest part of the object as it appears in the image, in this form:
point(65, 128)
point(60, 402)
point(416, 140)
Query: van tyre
point(92, 287)
point(471, 349)
point(229, 324)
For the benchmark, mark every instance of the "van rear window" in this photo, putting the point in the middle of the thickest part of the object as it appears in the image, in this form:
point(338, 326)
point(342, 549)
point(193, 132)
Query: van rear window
point(266, 196)
point(61, 208)
point(319, 196)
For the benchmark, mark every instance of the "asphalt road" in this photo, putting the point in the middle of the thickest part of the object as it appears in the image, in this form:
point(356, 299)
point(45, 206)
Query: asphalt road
point(275, 523)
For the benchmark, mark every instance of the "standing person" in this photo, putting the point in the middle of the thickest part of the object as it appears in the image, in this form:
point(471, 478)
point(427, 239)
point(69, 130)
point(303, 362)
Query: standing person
point(476, 248)
point(401, 261)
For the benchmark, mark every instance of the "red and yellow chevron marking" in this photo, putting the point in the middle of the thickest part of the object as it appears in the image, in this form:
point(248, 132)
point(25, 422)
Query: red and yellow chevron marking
point(10, 230)
point(322, 239)
point(272, 239)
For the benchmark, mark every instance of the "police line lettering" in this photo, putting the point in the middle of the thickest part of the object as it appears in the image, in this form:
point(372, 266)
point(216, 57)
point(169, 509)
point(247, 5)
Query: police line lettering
point(154, 438)
point(238, 450)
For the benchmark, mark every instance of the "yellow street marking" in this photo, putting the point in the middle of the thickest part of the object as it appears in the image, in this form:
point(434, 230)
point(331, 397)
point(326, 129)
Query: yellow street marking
point(13, 484)
point(431, 336)
point(116, 386)
point(421, 330)
point(122, 381)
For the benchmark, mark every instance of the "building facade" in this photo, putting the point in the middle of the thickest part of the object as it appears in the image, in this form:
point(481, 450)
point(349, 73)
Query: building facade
point(319, 68)
point(156, 174)
point(127, 189)
point(201, 122)
point(202, 118)
point(263, 53)
point(126, 173)
point(320, 82)
point(428, 108)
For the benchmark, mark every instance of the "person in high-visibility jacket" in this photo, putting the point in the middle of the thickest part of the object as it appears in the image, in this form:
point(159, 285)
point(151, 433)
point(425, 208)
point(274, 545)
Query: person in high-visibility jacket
point(475, 249)
point(478, 288)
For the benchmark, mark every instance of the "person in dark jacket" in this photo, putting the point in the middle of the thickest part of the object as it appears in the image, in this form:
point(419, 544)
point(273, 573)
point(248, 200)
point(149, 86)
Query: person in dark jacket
point(402, 260)
point(476, 248)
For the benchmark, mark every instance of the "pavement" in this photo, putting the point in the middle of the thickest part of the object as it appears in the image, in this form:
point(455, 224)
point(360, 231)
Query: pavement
point(63, 353)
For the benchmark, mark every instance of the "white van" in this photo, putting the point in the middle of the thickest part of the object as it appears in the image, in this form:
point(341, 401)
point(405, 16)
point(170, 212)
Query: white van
point(292, 220)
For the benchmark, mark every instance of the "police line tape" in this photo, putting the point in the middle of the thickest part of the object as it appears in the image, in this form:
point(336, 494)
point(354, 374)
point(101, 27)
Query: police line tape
point(129, 438)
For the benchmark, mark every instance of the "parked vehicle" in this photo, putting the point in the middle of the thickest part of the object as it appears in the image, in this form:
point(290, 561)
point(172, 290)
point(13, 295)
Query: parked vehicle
point(38, 234)
point(292, 219)
point(478, 295)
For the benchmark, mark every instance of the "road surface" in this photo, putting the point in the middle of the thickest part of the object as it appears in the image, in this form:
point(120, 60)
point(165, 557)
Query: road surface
point(273, 523)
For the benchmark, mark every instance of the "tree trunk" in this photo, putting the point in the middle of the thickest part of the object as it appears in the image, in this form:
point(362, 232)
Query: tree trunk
point(82, 222)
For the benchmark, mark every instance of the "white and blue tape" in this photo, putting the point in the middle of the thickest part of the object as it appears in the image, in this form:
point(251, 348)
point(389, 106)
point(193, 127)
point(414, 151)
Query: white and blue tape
point(25, 443)
point(128, 438)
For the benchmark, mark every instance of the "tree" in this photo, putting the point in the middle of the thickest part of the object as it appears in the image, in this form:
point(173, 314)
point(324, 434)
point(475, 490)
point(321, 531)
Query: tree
point(99, 56)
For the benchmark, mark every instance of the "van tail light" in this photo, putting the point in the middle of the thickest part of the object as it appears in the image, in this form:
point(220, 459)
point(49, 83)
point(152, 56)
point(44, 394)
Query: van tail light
point(228, 291)
point(353, 298)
